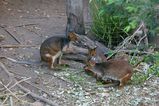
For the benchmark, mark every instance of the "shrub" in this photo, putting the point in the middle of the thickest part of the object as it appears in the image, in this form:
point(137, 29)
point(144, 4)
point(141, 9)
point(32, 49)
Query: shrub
point(114, 20)
point(153, 61)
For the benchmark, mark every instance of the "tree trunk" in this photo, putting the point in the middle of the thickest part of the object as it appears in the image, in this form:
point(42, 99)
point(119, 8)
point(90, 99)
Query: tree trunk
point(75, 19)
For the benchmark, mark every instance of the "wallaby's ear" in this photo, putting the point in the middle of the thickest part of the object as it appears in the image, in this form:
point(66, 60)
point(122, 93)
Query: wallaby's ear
point(72, 36)
point(92, 52)
point(94, 48)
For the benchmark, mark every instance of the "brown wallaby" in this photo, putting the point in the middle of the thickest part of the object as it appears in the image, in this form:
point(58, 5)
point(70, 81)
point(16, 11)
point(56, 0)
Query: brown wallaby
point(97, 53)
point(111, 70)
point(53, 48)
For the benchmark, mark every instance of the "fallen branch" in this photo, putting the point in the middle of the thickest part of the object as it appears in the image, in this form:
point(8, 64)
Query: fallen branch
point(24, 25)
point(37, 96)
point(145, 36)
point(5, 100)
point(126, 40)
point(18, 82)
point(21, 62)
point(13, 94)
point(75, 57)
point(10, 34)
point(11, 101)
point(136, 51)
point(27, 90)
point(9, 75)
point(17, 46)
point(87, 41)
point(48, 93)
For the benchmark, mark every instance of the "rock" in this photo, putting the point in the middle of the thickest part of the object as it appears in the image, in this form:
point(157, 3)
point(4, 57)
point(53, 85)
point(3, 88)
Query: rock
point(2, 37)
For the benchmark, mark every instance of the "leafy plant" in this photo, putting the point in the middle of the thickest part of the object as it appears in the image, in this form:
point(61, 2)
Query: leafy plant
point(114, 20)
point(152, 71)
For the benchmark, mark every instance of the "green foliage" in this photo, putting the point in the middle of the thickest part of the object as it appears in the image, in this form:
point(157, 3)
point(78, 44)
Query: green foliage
point(113, 20)
point(152, 71)
point(138, 78)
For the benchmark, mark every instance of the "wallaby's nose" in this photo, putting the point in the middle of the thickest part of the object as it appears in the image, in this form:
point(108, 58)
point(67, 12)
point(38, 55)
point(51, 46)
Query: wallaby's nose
point(93, 58)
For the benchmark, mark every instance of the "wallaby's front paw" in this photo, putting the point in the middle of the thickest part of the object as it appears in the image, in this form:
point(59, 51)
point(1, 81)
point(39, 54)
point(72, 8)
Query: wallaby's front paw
point(60, 62)
point(51, 67)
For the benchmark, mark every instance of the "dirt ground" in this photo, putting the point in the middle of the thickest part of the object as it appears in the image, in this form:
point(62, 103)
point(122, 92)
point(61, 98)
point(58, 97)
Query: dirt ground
point(31, 22)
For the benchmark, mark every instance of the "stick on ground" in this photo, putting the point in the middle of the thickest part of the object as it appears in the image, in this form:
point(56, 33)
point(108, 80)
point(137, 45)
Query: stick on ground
point(35, 96)
point(17, 46)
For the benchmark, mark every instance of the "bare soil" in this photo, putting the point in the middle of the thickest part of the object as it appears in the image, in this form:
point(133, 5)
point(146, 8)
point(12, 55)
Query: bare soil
point(31, 22)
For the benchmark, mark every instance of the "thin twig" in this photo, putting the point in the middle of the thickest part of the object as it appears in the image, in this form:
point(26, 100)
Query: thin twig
point(26, 90)
point(141, 40)
point(5, 100)
point(6, 94)
point(11, 34)
point(5, 69)
point(143, 37)
point(136, 51)
point(21, 62)
point(25, 25)
point(126, 40)
point(48, 93)
point(36, 96)
point(2, 89)
point(17, 46)
point(13, 94)
point(18, 82)
point(9, 75)
point(145, 34)
point(11, 100)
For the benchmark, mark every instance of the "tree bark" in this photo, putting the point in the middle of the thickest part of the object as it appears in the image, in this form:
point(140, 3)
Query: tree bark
point(75, 19)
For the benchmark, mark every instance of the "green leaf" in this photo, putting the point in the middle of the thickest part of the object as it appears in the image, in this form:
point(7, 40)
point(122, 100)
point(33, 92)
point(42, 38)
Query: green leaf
point(131, 9)
point(111, 2)
point(127, 28)
point(90, 1)
point(133, 24)
point(101, 12)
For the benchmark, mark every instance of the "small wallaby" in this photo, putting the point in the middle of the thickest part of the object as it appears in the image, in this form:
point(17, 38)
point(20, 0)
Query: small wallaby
point(52, 48)
point(112, 70)
point(97, 53)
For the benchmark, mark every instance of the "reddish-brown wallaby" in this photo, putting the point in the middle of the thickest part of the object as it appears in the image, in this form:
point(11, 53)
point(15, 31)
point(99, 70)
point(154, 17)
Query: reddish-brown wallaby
point(113, 69)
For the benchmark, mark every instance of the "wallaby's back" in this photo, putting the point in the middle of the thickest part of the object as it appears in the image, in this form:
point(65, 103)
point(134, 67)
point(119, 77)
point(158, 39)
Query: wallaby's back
point(114, 69)
point(52, 46)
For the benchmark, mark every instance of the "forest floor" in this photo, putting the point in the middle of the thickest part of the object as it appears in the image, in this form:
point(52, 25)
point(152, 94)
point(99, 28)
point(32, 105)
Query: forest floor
point(31, 22)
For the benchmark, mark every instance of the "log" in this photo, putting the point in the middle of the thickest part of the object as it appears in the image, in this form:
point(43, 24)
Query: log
point(75, 57)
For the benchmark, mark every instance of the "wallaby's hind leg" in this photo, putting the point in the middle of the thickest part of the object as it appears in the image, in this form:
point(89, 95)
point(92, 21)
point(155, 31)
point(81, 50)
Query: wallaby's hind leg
point(59, 60)
point(52, 62)
point(54, 58)
point(125, 79)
